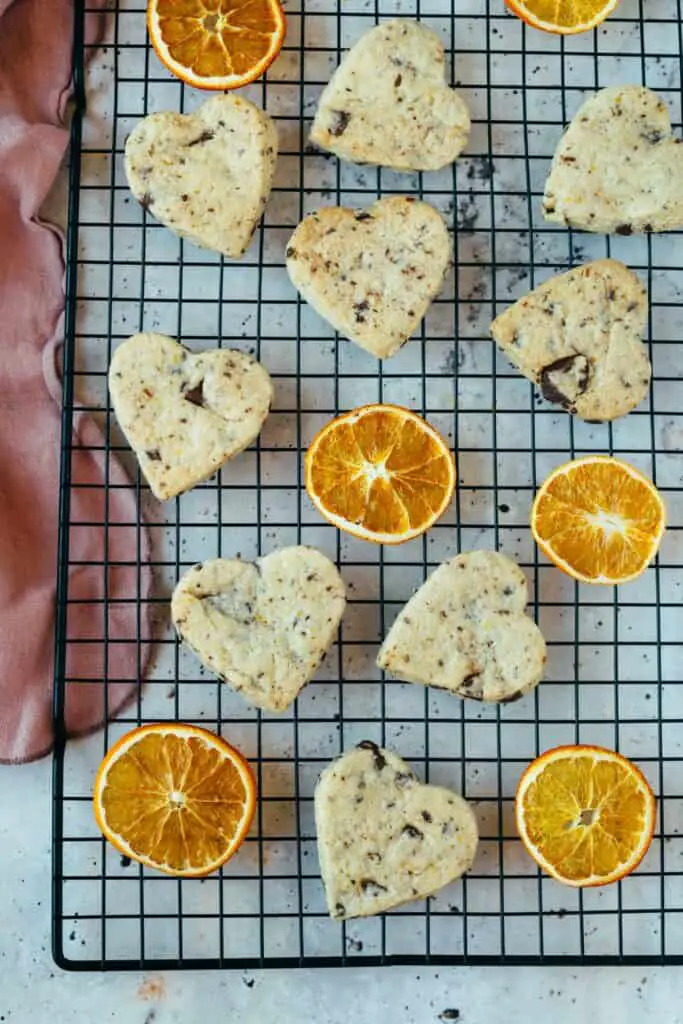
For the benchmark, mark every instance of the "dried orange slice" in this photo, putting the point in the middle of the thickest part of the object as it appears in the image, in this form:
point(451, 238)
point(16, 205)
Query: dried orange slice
point(585, 814)
point(175, 797)
point(562, 17)
point(381, 473)
point(216, 44)
point(599, 520)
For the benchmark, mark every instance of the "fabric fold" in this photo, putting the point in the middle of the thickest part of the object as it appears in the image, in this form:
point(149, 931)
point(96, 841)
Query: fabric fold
point(108, 619)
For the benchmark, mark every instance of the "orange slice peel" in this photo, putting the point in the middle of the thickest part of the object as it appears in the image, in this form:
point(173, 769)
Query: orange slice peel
point(598, 519)
point(381, 473)
point(175, 797)
point(585, 814)
point(216, 44)
point(562, 17)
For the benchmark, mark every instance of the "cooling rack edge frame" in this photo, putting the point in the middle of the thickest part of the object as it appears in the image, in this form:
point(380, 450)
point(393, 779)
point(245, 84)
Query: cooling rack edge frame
point(61, 959)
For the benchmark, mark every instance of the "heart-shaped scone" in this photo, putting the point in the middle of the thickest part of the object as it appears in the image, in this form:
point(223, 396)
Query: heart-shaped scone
point(185, 414)
point(264, 626)
point(618, 168)
point(465, 630)
point(371, 273)
point(579, 337)
point(205, 175)
point(385, 838)
point(388, 102)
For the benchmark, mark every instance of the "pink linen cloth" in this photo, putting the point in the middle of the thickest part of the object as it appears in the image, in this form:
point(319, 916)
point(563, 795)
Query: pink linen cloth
point(35, 75)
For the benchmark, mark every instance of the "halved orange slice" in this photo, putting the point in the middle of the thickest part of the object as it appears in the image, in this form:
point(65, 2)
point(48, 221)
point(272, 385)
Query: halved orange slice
point(562, 17)
point(175, 797)
point(381, 473)
point(585, 814)
point(216, 44)
point(599, 520)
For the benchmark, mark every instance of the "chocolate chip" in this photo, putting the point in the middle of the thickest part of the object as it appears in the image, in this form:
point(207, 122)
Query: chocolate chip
point(652, 136)
point(470, 680)
point(146, 201)
point(360, 309)
point(369, 887)
point(290, 253)
point(412, 832)
point(340, 122)
point(575, 369)
point(339, 910)
point(195, 394)
point(397, 81)
point(624, 229)
point(426, 816)
point(154, 455)
point(517, 695)
point(377, 755)
point(404, 779)
point(201, 139)
point(363, 215)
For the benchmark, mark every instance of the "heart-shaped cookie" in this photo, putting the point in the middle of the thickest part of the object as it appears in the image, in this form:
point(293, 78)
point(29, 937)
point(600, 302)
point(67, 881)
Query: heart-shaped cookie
point(579, 337)
point(371, 273)
point(385, 838)
point(465, 630)
point(618, 168)
point(264, 626)
point(205, 175)
point(388, 102)
point(185, 414)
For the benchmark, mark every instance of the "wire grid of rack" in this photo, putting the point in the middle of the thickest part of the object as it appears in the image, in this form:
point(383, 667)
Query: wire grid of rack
point(614, 660)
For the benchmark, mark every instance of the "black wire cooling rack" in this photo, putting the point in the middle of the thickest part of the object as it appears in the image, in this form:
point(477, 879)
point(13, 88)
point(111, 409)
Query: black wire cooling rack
point(615, 661)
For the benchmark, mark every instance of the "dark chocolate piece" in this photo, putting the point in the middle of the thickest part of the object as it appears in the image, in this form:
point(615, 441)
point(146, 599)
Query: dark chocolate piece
point(576, 369)
point(340, 122)
point(378, 757)
point(195, 395)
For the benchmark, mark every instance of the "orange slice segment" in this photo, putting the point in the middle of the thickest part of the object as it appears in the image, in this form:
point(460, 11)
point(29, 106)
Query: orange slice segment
point(381, 473)
point(599, 520)
point(562, 17)
point(585, 814)
point(174, 797)
point(216, 44)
